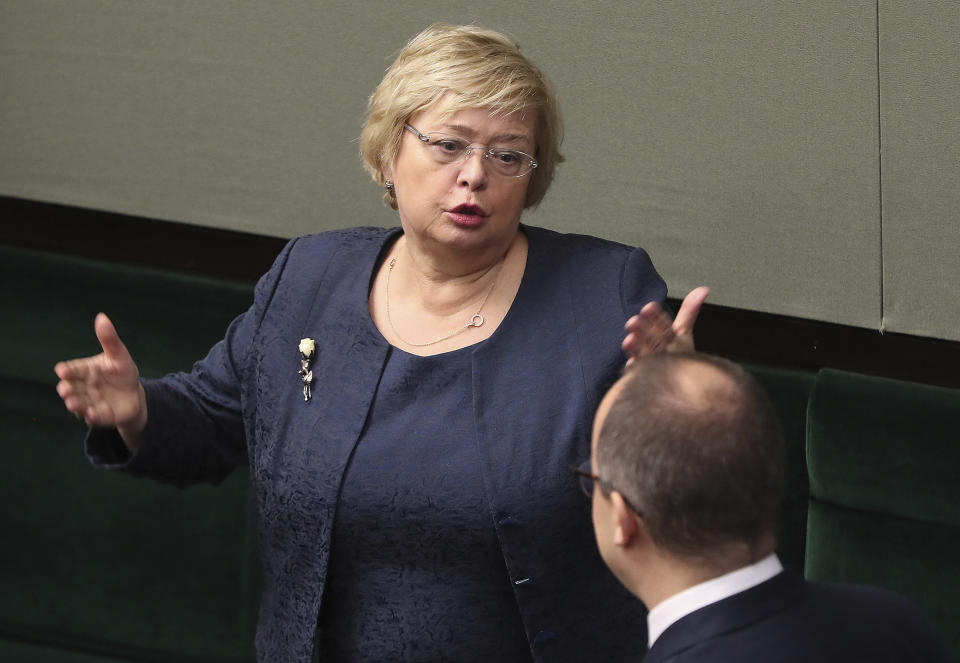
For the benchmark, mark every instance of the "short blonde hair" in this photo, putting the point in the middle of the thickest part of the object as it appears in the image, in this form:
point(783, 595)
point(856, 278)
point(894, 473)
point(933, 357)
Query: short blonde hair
point(481, 69)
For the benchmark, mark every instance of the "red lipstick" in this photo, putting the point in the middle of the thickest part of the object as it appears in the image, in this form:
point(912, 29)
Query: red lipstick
point(468, 216)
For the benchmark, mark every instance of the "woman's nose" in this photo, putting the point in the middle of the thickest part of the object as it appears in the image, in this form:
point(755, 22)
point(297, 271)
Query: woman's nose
point(473, 172)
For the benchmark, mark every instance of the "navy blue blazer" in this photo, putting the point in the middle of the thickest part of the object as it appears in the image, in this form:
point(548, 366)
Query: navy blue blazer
point(537, 381)
point(789, 620)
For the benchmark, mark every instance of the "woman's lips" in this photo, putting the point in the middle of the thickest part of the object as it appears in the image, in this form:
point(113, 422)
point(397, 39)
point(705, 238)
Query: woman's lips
point(468, 216)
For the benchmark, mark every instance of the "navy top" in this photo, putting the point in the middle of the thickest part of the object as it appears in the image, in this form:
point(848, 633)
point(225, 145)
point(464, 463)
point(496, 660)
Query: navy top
point(414, 549)
point(535, 385)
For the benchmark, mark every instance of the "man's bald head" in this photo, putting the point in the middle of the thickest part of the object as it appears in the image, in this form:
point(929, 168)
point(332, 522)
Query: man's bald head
point(693, 443)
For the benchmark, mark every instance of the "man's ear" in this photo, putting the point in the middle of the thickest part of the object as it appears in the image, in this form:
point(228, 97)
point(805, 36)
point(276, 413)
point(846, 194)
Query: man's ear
point(626, 527)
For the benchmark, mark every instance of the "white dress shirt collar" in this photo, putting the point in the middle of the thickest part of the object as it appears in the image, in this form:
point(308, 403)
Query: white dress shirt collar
point(693, 598)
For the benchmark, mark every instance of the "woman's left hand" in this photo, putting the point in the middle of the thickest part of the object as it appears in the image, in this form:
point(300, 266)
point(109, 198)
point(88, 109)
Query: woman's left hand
point(652, 331)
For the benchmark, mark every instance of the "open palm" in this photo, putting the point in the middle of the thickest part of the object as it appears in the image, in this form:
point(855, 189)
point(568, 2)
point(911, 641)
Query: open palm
point(105, 389)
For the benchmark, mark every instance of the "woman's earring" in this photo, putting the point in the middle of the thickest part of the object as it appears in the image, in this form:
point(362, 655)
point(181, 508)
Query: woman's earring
point(389, 185)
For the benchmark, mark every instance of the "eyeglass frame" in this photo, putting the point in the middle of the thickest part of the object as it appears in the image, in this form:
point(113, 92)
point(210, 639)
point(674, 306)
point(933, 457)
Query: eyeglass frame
point(587, 478)
point(487, 151)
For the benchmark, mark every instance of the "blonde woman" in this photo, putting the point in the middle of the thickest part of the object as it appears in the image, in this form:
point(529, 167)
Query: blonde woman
point(409, 399)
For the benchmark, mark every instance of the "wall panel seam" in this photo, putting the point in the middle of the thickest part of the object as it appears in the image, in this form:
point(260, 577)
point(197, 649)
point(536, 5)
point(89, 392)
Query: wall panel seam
point(883, 301)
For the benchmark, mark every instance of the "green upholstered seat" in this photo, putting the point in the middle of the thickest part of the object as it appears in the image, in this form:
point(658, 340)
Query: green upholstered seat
point(789, 390)
point(884, 463)
point(48, 302)
point(96, 565)
point(22, 652)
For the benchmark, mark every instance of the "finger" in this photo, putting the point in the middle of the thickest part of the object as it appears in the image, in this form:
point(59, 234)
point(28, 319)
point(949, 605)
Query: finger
point(630, 347)
point(73, 370)
point(658, 322)
point(649, 336)
point(651, 315)
point(642, 318)
point(651, 319)
point(63, 371)
point(79, 410)
point(654, 331)
point(113, 347)
point(71, 389)
point(65, 389)
point(76, 405)
point(639, 346)
point(690, 309)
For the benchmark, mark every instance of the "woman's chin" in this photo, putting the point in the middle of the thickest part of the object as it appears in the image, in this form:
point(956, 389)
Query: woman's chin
point(469, 232)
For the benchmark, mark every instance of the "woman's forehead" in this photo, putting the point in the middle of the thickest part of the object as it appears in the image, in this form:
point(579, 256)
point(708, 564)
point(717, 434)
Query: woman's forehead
point(467, 120)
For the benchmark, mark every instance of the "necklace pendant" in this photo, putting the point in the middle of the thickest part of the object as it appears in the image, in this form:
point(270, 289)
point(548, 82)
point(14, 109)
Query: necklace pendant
point(476, 320)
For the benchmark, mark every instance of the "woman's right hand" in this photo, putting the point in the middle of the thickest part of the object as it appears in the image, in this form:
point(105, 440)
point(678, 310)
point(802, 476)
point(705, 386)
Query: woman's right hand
point(105, 390)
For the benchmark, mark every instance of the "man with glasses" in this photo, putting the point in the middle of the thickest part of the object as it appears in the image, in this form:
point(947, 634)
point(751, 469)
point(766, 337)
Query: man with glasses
point(688, 460)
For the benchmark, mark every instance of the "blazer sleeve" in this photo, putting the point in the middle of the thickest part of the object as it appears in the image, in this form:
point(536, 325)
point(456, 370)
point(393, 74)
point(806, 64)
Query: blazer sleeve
point(196, 430)
point(640, 283)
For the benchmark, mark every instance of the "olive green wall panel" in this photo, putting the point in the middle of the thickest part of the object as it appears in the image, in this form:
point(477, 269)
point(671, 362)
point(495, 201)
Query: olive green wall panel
point(920, 130)
point(737, 141)
point(229, 113)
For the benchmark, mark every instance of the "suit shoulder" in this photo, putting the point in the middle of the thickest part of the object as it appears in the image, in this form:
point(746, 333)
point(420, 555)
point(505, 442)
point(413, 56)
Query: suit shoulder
point(877, 601)
point(305, 259)
point(856, 595)
point(889, 620)
point(584, 257)
point(334, 239)
point(575, 244)
point(593, 265)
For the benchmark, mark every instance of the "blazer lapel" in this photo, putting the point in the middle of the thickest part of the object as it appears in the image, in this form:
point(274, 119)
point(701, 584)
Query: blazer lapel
point(530, 399)
point(305, 446)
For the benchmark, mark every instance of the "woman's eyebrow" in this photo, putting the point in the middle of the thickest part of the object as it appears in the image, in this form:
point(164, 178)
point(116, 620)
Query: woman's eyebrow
point(471, 133)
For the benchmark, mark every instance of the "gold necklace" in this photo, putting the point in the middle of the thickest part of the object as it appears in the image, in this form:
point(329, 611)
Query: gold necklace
point(476, 320)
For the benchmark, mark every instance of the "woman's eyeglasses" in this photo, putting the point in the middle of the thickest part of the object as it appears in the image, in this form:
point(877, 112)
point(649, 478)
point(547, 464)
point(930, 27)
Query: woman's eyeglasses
point(449, 149)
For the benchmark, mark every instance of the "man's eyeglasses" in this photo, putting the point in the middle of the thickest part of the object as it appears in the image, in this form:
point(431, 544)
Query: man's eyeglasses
point(588, 479)
point(450, 149)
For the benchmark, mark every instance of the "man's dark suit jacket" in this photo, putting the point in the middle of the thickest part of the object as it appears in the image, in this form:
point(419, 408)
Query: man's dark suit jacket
point(787, 620)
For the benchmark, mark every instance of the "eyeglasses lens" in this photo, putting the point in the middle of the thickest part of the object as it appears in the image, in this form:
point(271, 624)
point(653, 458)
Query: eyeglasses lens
point(509, 163)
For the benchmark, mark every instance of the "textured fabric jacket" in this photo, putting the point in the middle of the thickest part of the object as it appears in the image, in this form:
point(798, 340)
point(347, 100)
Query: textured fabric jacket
point(537, 381)
point(791, 621)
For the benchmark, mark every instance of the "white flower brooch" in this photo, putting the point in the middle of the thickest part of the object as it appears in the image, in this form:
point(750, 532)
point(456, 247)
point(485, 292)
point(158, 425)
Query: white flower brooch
point(307, 351)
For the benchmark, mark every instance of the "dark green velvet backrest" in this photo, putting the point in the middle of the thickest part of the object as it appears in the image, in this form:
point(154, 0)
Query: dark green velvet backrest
point(167, 320)
point(95, 564)
point(884, 463)
point(789, 390)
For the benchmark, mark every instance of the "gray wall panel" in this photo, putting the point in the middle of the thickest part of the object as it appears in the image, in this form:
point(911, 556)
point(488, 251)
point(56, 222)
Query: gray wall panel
point(224, 113)
point(737, 141)
point(920, 128)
